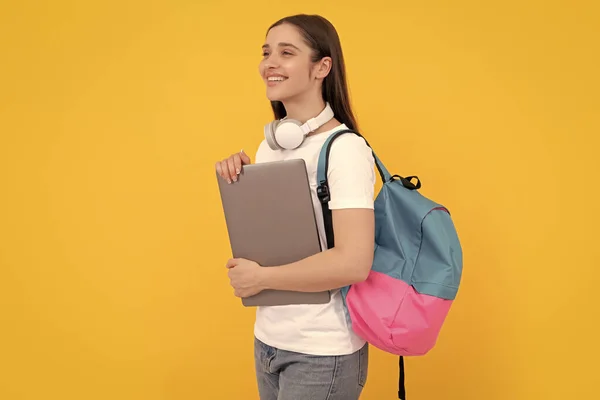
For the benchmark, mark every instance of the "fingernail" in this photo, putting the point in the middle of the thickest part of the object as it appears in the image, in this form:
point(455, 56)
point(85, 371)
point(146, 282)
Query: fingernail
point(238, 171)
point(228, 180)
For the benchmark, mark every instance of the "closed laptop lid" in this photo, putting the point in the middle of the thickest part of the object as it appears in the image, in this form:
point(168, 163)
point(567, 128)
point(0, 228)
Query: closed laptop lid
point(270, 219)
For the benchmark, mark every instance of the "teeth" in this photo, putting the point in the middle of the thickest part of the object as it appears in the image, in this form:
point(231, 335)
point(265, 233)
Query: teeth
point(276, 78)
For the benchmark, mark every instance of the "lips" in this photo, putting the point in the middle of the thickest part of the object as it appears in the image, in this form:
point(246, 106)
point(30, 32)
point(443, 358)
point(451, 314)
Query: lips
point(274, 80)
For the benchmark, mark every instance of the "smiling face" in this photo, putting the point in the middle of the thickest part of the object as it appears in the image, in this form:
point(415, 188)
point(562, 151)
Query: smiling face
point(287, 67)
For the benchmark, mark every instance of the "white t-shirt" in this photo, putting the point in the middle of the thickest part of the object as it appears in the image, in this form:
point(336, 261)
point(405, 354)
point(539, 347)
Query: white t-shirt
point(321, 329)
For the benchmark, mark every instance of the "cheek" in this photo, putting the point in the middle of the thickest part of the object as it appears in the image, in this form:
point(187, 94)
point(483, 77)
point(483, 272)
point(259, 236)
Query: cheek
point(299, 73)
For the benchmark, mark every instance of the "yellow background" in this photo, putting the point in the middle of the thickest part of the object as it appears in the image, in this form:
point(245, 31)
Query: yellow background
point(113, 244)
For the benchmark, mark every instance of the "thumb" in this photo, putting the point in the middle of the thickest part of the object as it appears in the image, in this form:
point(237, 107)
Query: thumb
point(232, 262)
point(244, 157)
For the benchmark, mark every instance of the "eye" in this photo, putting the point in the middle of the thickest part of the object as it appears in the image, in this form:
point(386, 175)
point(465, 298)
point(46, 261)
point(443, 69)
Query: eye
point(287, 53)
point(265, 53)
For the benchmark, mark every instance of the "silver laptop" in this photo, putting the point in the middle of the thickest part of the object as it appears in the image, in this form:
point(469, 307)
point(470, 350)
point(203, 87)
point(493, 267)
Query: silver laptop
point(270, 219)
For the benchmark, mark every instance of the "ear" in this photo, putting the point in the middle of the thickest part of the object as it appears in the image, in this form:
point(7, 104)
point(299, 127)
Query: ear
point(323, 67)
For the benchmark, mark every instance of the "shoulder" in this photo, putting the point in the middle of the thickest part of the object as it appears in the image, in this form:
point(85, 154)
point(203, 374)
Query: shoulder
point(263, 153)
point(350, 139)
point(350, 148)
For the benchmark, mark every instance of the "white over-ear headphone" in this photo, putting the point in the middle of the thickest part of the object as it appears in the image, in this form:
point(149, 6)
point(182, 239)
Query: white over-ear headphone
point(290, 133)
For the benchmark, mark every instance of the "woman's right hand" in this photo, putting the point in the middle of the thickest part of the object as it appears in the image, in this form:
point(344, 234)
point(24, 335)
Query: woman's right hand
point(230, 168)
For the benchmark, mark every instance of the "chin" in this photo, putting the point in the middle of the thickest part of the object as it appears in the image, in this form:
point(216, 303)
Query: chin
point(280, 94)
point(273, 96)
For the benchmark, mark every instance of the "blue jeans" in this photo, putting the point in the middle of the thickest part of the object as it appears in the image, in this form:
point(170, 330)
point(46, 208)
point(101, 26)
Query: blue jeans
point(285, 375)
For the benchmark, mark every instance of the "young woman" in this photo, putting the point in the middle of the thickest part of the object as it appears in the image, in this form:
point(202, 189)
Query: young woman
point(305, 352)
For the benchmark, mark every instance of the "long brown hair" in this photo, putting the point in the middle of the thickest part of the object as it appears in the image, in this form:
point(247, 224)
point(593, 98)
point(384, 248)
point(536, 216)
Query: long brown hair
point(323, 39)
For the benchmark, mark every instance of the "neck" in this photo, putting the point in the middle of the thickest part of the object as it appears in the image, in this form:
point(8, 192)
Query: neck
point(304, 110)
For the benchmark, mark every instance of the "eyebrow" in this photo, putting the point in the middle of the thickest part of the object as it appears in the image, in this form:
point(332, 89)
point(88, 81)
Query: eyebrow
point(282, 44)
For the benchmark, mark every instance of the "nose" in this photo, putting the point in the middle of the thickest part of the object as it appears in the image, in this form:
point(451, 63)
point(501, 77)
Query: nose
point(271, 61)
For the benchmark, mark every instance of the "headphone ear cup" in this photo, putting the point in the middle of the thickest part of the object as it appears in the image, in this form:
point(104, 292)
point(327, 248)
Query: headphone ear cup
point(289, 134)
point(270, 135)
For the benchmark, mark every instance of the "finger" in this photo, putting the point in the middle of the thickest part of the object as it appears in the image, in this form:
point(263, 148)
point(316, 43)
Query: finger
point(244, 157)
point(225, 169)
point(237, 162)
point(232, 262)
point(231, 167)
point(219, 169)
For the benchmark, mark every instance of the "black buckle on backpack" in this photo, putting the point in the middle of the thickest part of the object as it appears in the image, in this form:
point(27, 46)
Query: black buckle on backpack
point(323, 192)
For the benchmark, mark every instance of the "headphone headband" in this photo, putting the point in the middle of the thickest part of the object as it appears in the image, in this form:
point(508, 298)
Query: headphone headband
point(315, 123)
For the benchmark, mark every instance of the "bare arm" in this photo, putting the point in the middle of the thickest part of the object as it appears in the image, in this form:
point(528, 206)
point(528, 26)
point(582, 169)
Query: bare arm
point(348, 262)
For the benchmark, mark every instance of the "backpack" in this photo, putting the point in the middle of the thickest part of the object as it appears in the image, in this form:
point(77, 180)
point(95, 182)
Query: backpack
point(401, 307)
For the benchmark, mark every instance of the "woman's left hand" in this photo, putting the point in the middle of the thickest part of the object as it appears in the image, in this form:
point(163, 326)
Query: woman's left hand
point(245, 277)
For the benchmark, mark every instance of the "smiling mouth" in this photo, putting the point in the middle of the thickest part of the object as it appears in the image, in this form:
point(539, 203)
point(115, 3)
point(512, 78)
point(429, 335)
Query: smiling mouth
point(273, 80)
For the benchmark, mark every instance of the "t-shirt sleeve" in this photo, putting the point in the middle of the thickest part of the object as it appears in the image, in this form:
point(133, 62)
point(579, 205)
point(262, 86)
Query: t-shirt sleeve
point(351, 175)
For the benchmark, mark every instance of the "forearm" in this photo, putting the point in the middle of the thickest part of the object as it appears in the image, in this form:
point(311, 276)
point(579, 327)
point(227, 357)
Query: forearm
point(326, 270)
